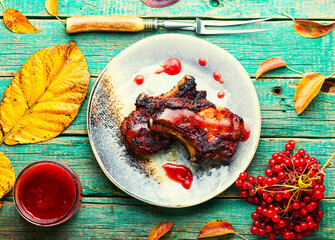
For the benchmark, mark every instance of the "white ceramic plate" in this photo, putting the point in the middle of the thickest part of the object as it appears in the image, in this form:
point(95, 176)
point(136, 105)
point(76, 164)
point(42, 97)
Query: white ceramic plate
point(113, 98)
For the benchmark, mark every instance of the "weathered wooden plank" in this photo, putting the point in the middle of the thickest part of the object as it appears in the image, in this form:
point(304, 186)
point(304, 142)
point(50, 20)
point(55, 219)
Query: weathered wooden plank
point(278, 114)
point(76, 152)
point(315, 55)
point(123, 218)
point(205, 8)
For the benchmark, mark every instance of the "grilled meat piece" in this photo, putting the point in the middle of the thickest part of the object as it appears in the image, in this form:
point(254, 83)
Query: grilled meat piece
point(207, 132)
point(139, 139)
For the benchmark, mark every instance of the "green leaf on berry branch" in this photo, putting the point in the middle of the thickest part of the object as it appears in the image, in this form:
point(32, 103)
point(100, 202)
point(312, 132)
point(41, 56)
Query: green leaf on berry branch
point(310, 29)
point(159, 230)
point(307, 89)
point(217, 228)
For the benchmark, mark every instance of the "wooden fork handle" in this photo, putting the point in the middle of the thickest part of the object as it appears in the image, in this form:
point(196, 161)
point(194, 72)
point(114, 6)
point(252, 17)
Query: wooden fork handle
point(104, 23)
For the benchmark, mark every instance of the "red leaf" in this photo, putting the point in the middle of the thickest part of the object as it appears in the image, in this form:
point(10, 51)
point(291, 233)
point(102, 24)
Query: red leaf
point(159, 230)
point(310, 29)
point(216, 228)
point(269, 64)
point(159, 3)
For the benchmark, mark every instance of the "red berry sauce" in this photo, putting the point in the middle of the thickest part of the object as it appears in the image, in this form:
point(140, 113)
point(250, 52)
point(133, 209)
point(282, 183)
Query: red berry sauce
point(46, 192)
point(170, 67)
point(221, 94)
point(246, 132)
point(179, 173)
point(217, 76)
point(139, 79)
point(202, 61)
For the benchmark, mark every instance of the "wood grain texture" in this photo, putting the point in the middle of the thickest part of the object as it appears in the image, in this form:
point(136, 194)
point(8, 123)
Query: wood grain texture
point(122, 218)
point(278, 115)
point(234, 9)
point(77, 153)
point(307, 55)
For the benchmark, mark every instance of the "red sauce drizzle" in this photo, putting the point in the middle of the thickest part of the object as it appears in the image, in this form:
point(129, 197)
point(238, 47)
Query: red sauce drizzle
point(179, 173)
point(202, 61)
point(170, 67)
point(47, 192)
point(139, 79)
point(221, 94)
point(246, 132)
point(217, 76)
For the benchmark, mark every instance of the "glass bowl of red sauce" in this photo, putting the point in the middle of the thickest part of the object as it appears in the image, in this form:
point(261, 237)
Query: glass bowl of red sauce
point(47, 193)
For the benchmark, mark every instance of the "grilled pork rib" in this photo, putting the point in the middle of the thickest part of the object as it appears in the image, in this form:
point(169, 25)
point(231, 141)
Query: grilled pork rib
point(185, 114)
point(139, 139)
point(207, 133)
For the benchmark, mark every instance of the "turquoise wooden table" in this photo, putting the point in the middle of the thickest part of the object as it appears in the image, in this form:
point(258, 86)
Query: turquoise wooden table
point(107, 212)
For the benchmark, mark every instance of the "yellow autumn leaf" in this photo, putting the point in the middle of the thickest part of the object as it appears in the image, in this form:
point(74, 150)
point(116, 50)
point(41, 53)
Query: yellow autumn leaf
point(17, 22)
point(307, 89)
point(52, 7)
point(7, 175)
point(45, 95)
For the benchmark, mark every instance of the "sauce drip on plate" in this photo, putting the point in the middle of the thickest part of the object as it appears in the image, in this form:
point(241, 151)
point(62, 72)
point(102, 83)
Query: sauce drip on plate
point(139, 79)
point(246, 132)
point(202, 61)
point(221, 94)
point(170, 67)
point(217, 76)
point(179, 173)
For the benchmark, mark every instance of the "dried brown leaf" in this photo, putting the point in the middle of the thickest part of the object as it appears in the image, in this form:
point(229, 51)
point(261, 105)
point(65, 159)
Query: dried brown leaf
point(216, 228)
point(269, 64)
point(45, 95)
point(17, 22)
point(307, 89)
point(310, 29)
point(159, 230)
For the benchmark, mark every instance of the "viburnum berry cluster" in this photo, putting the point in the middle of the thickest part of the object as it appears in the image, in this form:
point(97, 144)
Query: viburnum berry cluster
point(288, 196)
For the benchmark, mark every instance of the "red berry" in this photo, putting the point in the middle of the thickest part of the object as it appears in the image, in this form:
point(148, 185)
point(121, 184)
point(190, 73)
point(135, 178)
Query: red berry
point(303, 211)
point(297, 228)
point(276, 209)
point(275, 218)
point(301, 152)
point(265, 195)
point(320, 214)
point(270, 213)
point(296, 162)
point(268, 172)
point(299, 236)
point(261, 232)
point(243, 175)
point(254, 216)
point(264, 212)
point(286, 195)
point(239, 182)
point(296, 205)
point(303, 226)
point(311, 225)
point(316, 226)
point(307, 199)
point(292, 142)
point(269, 181)
point(268, 228)
point(272, 162)
point(244, 193)
point(310, 208)
point(287, 153)
point(287, 235)
point(251, 180)
point(281, 223)
point(259, 209)
point(288, 147)
point(280, 159)
point(287, 162)
point(277, 168)
point(318, 194)
point(271, 235)
point(260, 179)
point(281, 175)
point(278, 197)
point(275, 180)
point(254, 230)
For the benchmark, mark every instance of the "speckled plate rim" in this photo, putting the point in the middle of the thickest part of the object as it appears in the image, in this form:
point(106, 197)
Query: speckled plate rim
point(124, 52)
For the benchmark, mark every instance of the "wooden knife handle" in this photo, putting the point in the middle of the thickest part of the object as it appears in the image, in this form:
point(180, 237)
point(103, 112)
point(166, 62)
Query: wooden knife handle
point(104, 23)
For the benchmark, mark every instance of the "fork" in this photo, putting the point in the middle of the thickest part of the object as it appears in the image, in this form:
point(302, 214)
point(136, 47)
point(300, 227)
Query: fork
point(135, 24)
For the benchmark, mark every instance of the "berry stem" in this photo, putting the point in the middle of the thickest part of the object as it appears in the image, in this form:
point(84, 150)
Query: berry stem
point(327, 163)
point(3, 5)
point(240, 235)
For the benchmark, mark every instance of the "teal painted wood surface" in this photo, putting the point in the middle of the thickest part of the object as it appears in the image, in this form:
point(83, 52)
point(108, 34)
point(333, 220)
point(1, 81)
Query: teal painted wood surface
point(107, 212)
point(233, 9)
